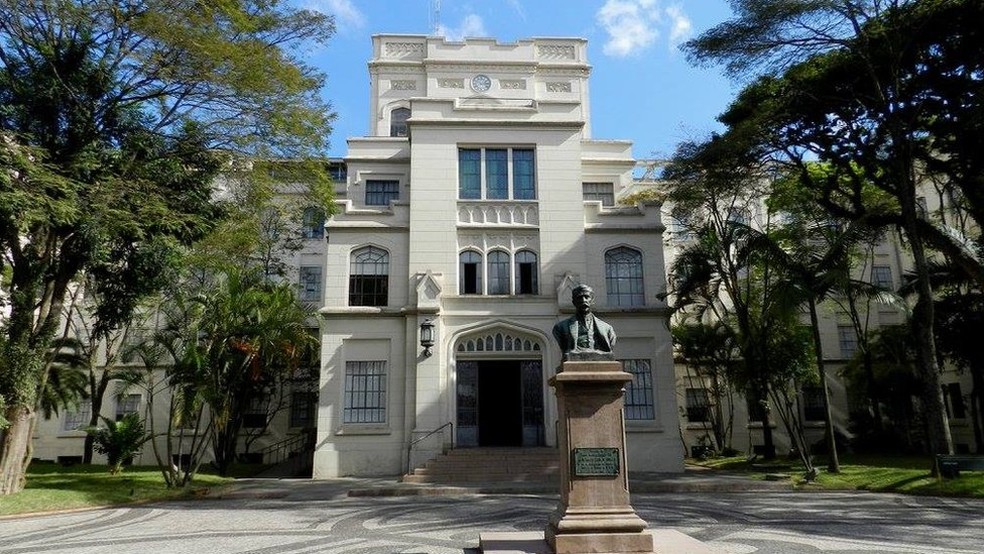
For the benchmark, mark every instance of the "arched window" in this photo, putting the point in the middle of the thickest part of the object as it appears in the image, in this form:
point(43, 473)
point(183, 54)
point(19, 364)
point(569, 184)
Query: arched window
point(498, 272)
point(470, 272)
point(369, 277)
point(398, 122)
point(623, 277)
point(526, 273)
point(313, 223)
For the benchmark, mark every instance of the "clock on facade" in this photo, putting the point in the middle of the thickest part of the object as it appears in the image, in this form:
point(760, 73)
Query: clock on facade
point(481, 83)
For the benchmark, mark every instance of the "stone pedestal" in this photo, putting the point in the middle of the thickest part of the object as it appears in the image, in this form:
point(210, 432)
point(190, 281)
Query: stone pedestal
point(594, 514)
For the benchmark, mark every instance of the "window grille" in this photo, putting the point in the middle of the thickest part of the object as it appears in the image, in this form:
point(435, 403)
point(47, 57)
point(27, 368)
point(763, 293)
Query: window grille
point(369, 277)
point(623, 277)
point(639, 392)
point(365, 392)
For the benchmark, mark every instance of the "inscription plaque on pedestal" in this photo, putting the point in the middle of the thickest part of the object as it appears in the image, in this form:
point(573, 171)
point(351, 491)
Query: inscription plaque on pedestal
point(595, 462)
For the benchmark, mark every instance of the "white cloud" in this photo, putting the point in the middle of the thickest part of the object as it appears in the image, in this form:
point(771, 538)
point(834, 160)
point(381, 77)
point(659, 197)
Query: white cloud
point(634, 25)
point(518, 8)
point(680, 26)
point(471, 26)
point(345, 12)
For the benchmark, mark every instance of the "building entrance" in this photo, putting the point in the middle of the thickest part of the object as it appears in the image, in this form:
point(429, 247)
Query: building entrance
point(500, 403)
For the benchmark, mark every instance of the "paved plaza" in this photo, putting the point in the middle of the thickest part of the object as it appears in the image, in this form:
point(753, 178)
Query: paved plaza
point(302, 517)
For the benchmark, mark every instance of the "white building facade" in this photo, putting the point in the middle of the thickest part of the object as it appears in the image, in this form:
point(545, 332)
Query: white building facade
point(476, 204)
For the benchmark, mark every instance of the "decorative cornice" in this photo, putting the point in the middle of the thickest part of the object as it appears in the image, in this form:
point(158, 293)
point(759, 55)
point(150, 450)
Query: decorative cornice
point(556, 51)
point(407, 84)
point(403, 49)
point(451, 83)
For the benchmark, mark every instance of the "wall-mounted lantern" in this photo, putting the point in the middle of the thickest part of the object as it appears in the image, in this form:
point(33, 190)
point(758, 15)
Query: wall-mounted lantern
point(427, 336)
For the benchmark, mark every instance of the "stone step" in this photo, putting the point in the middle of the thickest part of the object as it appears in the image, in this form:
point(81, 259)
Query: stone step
point(491, 465)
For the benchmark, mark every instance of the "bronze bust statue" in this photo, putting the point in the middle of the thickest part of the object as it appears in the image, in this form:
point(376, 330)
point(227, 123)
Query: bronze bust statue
point(584, 333)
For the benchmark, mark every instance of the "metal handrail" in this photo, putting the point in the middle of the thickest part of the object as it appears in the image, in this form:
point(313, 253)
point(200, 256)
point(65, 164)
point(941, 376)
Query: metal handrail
point(282, 449)
point(418, 439)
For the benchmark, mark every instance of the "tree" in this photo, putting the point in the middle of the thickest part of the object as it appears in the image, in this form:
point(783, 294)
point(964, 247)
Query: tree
point(845, 85)
point(113, 117)
point(119, 440)
point(709, 351)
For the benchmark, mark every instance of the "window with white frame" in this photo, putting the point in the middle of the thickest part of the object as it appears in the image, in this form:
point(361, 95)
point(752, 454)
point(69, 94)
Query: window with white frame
point(365, 392)
point(381, 192)
point(313, 223)
point(310, 283)
point(469, 272)
point(623, 277)
point(398, 122)
point(881, 276)
point(79, 417)
point(526, 273)
point(129, 404)
point(369, 277)
point(599, 192)
point(639, 392)
point(132, 341)
point(848, 340)
point(499, 173)
point(697, 405)
point(498, 268)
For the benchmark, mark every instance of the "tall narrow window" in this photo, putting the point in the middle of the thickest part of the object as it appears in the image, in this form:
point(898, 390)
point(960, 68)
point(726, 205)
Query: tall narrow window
point(469, 173)
point(496, 173)
point(524, 174)
point(848, 340)
point(526, 273)
point(365, 392)
point(697, 405)
point(310, 283)
point(623, 277)
point(313, 223)
point(398, 122)
point(381, 193)
point(813, 403)
point(470, 273)
point(639, 392)
point(498, 272)
point(257, 413)
point(369, 277)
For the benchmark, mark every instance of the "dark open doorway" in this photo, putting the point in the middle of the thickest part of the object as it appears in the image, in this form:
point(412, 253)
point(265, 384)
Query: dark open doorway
point(500, 400)
point(500, 403)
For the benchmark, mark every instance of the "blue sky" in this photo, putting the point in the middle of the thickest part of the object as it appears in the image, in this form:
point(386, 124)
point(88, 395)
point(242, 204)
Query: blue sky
point(642, 87)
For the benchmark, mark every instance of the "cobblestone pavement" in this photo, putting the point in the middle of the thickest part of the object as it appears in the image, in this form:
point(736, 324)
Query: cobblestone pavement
point(310, 517)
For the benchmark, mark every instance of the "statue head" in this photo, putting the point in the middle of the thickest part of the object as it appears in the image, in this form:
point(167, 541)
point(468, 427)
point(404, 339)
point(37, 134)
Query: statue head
point(582, 296)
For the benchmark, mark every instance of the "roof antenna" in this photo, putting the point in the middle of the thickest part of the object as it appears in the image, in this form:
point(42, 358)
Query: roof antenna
point(435, 17)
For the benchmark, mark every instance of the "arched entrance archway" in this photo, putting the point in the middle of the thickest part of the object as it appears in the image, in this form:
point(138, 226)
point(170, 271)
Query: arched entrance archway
point(499, 396)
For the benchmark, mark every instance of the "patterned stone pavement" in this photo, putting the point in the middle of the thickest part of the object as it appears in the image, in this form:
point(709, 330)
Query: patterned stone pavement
point(309, 517)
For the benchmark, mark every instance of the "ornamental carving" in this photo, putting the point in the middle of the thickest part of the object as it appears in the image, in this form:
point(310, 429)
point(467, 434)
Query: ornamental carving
point(556, 51)
point(558, 87)
point(404, 49)
point(499, 342)
point(451, 83)
point(403, 85)
point(512, 84)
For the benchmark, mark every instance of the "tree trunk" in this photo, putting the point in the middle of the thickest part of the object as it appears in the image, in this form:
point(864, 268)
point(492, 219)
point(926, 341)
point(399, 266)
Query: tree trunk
point(14, 447)
point(833, 462)
point(977, 406)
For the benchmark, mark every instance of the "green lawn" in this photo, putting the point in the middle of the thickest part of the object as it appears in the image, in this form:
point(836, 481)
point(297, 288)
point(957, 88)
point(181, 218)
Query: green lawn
point(902, 474)
point(54, 487)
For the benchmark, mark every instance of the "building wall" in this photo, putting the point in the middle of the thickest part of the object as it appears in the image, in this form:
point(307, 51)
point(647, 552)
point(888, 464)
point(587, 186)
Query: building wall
point(537, 98)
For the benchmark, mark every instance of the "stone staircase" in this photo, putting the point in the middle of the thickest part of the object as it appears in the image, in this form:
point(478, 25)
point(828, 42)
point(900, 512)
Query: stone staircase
point(463, 466)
